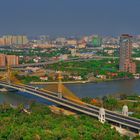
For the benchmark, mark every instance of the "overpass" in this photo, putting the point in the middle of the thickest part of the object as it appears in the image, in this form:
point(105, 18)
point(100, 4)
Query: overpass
point(110, 116)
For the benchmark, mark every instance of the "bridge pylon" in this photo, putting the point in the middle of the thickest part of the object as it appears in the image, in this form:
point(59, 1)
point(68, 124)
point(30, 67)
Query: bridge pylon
point(60, 84)
point(8, 74)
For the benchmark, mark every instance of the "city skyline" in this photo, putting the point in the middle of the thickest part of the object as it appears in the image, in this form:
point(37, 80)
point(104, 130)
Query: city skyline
point(68, 18)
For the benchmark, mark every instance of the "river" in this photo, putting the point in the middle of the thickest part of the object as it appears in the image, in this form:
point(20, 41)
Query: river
point(106, 88)
point(81, 90)
point(18, 97)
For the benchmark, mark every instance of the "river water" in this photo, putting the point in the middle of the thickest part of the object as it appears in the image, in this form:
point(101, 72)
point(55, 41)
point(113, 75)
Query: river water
point(16, 98)
point(106, 88)
point(81, 90)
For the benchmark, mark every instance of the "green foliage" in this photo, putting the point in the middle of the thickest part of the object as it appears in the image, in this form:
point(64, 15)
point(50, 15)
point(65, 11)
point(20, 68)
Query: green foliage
point(110, 102)
point(137, 138)
point(138, 66)
point(133, 97)
point(28, 79)
point(125, 75)
point(83, 68)
point(42, 124)
point(94, 67)
point(37, 52)
point(87, 99)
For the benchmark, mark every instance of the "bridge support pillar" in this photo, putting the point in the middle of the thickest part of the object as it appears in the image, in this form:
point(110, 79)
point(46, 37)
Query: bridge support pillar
point(60, 95)
point(139, 132)
point(9, 82)
point(101, 116)
point(120, 125)
point(125, 110)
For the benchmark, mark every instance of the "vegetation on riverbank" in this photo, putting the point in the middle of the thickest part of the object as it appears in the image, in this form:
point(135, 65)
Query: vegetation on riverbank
point(92, 68)
point(42, 124)
point(115, 103)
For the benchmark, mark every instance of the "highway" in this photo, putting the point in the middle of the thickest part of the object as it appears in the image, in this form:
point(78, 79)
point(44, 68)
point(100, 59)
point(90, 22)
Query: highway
point(56, 61)
point(85, 109)
point(68, 60)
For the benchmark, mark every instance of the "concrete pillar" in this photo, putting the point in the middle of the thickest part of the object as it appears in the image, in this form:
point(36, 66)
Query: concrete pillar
point(125, 110)
point(120, 125)
point(8, 82)
point(101, 116)
point(60, 95)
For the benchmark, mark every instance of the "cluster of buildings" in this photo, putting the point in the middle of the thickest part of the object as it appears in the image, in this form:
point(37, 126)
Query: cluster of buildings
point(13, 40)
point(124, 44)
point(8, 60)
point(43, 41)
point(83, 42)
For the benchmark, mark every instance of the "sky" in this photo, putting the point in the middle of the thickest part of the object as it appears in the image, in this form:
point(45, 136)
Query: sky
point(69, 17)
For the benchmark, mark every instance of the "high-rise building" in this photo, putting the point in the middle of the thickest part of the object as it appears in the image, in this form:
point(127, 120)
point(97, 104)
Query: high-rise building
point(7, 39)
point(2, 42)
point(8, 60)
point(2, 60)
point(12, 60)
point(19, 40)
point(126, 64)
point(24, 40)
point(13, 40)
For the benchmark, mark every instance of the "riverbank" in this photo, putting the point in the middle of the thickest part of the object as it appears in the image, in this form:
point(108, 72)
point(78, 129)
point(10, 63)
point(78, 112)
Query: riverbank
point(79, 82)
point(64, 82)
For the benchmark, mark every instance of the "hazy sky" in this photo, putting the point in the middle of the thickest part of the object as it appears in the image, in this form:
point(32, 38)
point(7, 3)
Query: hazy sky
point(69, 17)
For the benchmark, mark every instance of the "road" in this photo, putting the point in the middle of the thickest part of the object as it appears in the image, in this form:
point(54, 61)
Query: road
point(56, 61)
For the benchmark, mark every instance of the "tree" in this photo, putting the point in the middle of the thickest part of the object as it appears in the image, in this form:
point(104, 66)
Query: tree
point(110, 102)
